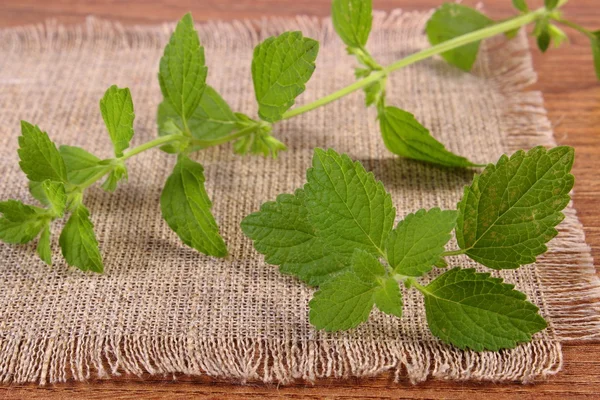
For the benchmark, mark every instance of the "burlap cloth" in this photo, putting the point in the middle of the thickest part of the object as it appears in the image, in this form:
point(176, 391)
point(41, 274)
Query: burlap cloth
point(161, 307)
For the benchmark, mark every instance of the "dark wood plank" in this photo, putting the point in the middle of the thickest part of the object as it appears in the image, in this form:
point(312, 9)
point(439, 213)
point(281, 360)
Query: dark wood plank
point(573, 101)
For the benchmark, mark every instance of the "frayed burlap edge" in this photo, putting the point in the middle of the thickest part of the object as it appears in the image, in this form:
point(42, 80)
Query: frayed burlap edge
point(567, 269)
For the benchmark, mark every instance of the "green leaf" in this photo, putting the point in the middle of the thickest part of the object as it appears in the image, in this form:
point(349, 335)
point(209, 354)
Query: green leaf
point(347, 299)
point(520, 5)
point(347, 206)
point(542, 32)
point(509, 211)
point(551, 4)
point(472, 310)
point(56, 195)
point(512, 33)
point(186, 208)
point(557, 35)
point(78, 242)
point(81, 165)
point(20, 223)
point(117, 111)
point(595, 42)
point(116, 175)
point(40, 160)
point(375, 94)
point(454, 20)
point(352, 21)
point(281, 66)
point(405, 136)
point(282, 232)
point(37, 191)
point(182, 74)
point(211, 120)
point(43, 246)
point(417, 243)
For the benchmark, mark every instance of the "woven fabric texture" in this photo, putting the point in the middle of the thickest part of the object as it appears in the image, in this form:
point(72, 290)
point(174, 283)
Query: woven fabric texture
point(161, 307)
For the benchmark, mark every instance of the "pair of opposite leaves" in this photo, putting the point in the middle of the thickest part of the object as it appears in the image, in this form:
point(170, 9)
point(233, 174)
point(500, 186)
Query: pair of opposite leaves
point(337, 233)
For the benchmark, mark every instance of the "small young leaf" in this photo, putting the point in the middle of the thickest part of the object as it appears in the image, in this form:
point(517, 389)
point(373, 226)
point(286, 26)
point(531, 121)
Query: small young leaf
point(43, 246)
point(454, 20)
point(551, 4)
point(116, 175)
point(40, 160)
point(211, 120)
point(20, 223)
point(117, 111)
point(281, 66)
point(186, 208)
point(352, 21)
point(347, 206)
point(595, 42)
point(81, 165)
point(473, 310)
point(78, 242)
point(347, 299)
point(182, 73)
point(282, 232)
point(37, 191)
point(509, 211)
point(56, 195)
point(557, 35)
point(520, 5)
point(405, 136)
point(375, 94)
point(417, 243)
point(542, 32)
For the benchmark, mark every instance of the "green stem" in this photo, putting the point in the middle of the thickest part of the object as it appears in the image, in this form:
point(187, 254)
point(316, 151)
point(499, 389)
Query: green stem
point(159, 141)
point(451, 44)
point(453, 253)
point(577, 27)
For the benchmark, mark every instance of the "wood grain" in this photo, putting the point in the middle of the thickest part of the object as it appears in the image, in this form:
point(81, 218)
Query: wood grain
point(572, 98)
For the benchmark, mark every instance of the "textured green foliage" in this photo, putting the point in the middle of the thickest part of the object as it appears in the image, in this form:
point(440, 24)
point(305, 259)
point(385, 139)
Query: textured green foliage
point(81, 166)
point(346, 205)
point(56, 195)
point(40, 160)
point(20, 223)
point(182, 73)
point(509, 211)
point(211, 120)
point(418, 241)
point(43, 246)
point(520, 5)
point(117, 111)
point(78, 242)
point(347, 299)
point(186, 208)
point(454, 20)
point(476, 311)
point(352, 21)
point(282, 232)
point(281, 66)
point(405, 136)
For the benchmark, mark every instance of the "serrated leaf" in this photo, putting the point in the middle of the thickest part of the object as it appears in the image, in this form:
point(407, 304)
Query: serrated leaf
point(281, 66)
point(388, 298)
point(20, 223)
point(346, 300)
point(282, 232)
point(417, 243)
point(212, 119)
point(551, 4)
point(186, 208)
point(509, 211)
point(454, 20)
point(473, 310)
point(405, 136)
point(117, 111)
point(40, 160)
point(352, 21)
point(347, 206)
point(78, 242)
point(520, 5)
point(56, 195)
point(182, 74)
point(43, 247)
point(81, 166)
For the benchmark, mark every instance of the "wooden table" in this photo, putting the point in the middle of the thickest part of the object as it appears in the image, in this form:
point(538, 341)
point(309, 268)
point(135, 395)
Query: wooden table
point(566, 78)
